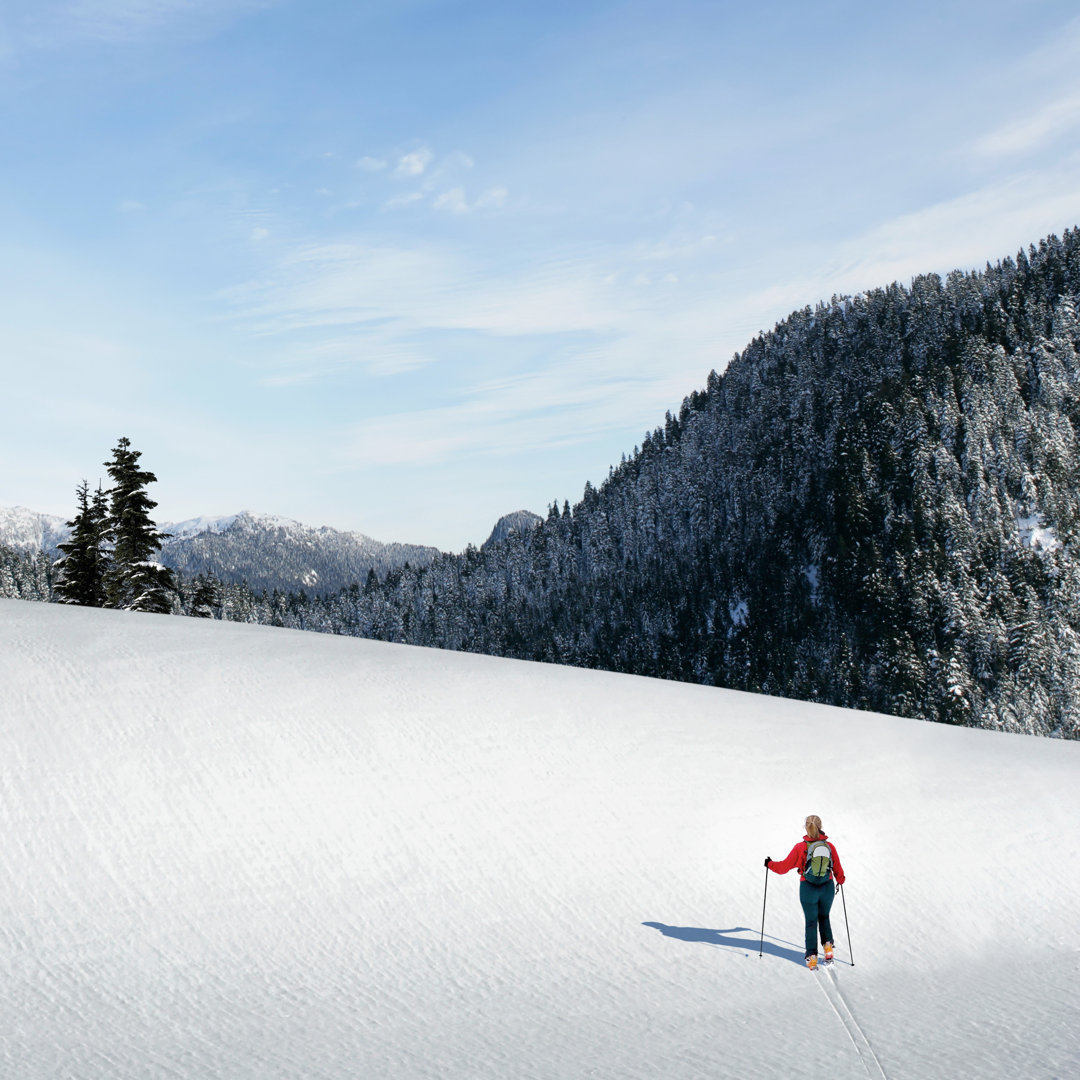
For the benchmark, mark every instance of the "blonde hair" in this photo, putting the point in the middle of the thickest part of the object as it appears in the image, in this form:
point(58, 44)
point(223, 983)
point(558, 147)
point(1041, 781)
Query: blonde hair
point(813, 826)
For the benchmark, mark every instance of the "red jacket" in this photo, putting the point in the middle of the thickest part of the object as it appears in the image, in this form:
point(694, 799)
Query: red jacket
point(796, 860)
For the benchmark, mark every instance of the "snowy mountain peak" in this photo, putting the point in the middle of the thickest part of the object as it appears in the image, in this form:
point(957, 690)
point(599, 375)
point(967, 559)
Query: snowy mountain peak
point(195, 526)
point(517, 522)
point(249, 521)
point(270, 552)
point(27, 530)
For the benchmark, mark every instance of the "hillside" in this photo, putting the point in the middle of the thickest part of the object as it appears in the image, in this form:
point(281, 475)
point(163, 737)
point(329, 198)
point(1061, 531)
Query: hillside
point(259, 854)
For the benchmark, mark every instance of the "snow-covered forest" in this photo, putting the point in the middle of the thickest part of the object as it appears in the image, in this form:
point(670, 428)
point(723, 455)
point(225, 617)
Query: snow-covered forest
point(875, 506)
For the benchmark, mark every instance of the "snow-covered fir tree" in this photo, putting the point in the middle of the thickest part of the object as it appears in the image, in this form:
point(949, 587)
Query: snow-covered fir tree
point(134, 580)
point(84, 558)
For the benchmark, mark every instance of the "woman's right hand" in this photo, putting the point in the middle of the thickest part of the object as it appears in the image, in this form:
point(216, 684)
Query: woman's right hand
point(767, 860)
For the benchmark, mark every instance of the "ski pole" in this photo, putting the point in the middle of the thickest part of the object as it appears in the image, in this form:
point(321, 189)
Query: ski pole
point(846, 927)
point(761, 949)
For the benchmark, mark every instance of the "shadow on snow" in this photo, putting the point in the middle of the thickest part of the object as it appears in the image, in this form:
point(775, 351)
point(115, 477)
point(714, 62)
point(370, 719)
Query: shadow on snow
point(725, 939)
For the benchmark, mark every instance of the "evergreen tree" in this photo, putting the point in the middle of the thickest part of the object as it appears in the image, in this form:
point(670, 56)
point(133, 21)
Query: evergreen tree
point(134, 580)
point(25, 576)
point(204, 599)
point(85, 560)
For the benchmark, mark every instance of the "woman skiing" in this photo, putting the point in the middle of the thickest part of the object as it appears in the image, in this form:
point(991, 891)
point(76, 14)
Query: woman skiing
point(818, 864)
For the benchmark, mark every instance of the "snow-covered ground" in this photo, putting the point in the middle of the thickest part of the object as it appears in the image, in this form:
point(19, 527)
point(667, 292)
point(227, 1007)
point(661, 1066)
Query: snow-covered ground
point(240, 852)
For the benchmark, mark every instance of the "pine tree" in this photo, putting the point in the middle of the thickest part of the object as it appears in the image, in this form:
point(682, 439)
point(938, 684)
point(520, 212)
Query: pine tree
point(134, 581)
point(205, 598)
point(85, 560)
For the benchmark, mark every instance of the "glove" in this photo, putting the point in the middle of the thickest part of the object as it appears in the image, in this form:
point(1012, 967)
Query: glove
point(767, 860)
point(836, 890)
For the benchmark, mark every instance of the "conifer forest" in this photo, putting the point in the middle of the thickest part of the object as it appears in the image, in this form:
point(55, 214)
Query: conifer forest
point(876, 505)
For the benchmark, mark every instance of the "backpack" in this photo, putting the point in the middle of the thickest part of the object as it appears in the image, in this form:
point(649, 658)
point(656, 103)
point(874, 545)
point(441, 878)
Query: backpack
point(818, 867)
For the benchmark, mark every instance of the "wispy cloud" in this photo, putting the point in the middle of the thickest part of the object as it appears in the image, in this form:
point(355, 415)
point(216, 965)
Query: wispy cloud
point(414, 163)
point(494, 199)
point(371, 164)
point(987, 223)
point(557, 407)
point(405, 199)
point(376, 352)
point(458, 159)
point(680, 247)
point(121, 21)
point(607, 335)
point(423, 286)
point(594, 350)
point(1045, 122)
point(453, 200)
point(965, 232)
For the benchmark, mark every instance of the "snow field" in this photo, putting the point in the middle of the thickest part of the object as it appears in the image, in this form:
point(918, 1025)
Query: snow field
point(234, 851)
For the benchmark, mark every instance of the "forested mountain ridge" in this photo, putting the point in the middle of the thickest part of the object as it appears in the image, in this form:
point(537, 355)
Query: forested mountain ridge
point(875, 506)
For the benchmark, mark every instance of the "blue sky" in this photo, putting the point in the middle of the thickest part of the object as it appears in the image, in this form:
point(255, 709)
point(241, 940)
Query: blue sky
point(403, 267)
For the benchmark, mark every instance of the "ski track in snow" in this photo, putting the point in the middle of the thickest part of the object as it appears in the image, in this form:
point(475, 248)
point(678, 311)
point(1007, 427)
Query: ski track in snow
point(831, 988)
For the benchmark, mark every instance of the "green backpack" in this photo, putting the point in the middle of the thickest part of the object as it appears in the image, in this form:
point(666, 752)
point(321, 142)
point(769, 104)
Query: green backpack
point(818, 862)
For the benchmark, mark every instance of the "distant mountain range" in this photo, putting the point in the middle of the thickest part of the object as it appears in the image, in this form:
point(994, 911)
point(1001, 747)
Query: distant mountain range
point(265, 551)
point(276, 553)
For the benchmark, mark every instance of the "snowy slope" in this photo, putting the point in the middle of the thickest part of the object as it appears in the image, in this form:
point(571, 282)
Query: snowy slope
point(238, 852)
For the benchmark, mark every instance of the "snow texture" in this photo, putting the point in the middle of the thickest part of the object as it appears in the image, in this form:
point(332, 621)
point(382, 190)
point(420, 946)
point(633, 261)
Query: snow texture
point(1034, 533)
point(239, 852)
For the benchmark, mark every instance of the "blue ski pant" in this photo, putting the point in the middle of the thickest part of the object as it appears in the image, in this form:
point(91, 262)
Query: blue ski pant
point(816, 903)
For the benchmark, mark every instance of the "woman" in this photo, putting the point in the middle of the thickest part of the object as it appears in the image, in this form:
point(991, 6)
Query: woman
point(818, 864)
